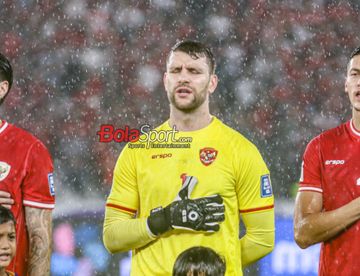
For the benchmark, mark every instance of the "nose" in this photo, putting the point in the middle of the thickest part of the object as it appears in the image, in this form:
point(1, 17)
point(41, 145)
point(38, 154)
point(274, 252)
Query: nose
point(183, 76)
point(5, 244)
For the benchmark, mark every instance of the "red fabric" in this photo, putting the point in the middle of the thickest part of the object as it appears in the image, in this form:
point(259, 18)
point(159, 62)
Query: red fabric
point(331, 164)
point(28, 179)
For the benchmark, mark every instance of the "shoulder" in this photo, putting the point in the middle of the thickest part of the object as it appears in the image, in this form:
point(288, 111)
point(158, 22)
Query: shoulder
point(334, 132)
point(233, 137)
point(330, 136)
point(24, 134)
point(147, 134)
point(138, 146)
point(163, 126)
point(22, 141)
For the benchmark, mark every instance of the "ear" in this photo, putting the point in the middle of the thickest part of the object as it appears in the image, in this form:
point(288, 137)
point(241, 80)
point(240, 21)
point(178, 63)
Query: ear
point(164, 80)
point(213, 83)
point(346, 85)
point(4, 88)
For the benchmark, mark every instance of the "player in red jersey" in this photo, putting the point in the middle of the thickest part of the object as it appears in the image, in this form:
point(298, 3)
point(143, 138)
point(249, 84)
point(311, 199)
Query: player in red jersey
point(26, 185)
point(327, 207)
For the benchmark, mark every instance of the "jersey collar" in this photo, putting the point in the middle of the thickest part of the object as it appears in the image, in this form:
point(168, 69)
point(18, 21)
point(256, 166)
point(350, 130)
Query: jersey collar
point(3, 126)
point(353, 129)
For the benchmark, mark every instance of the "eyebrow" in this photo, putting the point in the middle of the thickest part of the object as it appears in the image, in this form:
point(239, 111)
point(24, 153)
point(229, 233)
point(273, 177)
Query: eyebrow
point(354, 69)
point(188, 67)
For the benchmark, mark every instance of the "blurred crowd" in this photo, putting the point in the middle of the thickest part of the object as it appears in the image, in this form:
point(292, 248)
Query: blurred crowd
point(79, 64)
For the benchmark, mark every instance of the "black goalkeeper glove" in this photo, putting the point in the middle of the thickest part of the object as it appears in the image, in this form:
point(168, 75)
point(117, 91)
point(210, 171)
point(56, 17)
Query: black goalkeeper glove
point(200, 214)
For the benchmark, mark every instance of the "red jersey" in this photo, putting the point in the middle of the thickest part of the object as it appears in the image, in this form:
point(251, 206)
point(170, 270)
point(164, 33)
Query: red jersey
point(331, 166)
point(26, 173)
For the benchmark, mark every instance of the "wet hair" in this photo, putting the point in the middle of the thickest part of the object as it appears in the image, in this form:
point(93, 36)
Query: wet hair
point(356, 52)
point(6, 73)
point(199, 260)
point(196, 50)
point(6, 215)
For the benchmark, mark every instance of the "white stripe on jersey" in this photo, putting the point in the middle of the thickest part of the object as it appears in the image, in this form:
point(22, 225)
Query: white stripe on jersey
point(302, 189)
point(3, 127)
point(302, 172)
point(38, 204)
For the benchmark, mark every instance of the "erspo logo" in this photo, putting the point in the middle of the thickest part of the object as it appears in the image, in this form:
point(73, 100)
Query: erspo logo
point(334, 162)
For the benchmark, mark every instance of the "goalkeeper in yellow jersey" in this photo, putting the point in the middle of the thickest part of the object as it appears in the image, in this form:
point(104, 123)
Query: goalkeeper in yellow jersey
point(168, 196)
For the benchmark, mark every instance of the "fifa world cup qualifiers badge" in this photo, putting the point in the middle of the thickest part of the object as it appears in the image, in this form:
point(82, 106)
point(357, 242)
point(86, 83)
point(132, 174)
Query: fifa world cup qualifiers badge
point(266, 189)
point(51, 184)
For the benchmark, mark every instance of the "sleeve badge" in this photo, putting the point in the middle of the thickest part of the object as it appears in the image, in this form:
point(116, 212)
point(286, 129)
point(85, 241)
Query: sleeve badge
point(266, 189)
point(51, 184)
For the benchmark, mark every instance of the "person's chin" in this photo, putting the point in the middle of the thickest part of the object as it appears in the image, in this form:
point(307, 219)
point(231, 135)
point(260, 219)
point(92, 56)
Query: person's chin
point(5, 263)
point(183, 105)
point(356, 105)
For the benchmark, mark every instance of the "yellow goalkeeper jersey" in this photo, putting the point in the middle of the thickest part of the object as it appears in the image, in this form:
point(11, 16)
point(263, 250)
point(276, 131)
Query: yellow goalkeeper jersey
point(147, 176)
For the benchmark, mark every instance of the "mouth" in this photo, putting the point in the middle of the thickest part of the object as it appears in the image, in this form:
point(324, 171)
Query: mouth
point(183, 90)
point(5, 257)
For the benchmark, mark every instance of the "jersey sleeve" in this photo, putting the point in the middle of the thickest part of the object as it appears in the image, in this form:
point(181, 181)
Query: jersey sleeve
point(310, 179)
point(124, 194)
point(253, 184)
point(38, 184)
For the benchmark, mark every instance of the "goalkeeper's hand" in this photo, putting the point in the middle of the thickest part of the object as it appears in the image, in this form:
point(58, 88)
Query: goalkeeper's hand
point(200, 214)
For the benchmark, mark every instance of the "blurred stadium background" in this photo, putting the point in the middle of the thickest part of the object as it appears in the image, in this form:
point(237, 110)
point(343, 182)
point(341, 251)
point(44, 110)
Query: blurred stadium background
point(82, 63)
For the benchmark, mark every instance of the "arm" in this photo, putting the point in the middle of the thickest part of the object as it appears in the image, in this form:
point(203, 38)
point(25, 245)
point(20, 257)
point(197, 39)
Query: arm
point(259, 238)
point(313, 225)
point(122, 232)
point(39, 226)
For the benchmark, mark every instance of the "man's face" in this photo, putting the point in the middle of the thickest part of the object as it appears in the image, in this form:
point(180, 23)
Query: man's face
point(4, 88)
point(7, 243)
point(352, 83)
point(188, 81)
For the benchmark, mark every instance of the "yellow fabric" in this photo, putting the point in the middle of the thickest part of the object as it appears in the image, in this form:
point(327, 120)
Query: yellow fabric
point(118, 225)
point(145, 178)
point(259, 239)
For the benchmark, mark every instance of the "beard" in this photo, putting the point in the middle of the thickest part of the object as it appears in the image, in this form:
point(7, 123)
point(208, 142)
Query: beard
point(198, 99)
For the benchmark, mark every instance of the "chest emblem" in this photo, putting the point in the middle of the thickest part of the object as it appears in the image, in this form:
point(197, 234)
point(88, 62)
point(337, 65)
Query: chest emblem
point(358, 181)
point(208, 156)
point(4, 170)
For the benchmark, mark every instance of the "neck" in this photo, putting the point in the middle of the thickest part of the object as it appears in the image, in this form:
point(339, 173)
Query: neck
point(2, 271)
point(356, 118)
point(191, 121)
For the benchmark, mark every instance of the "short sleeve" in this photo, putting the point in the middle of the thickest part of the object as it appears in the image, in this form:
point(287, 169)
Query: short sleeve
point(124, 192)
point(310, 179)
point(253, 183)
point(38, 185)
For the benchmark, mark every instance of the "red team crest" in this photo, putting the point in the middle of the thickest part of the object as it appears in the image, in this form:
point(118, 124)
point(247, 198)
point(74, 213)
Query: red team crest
point(4, 170)
point(208, 155)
